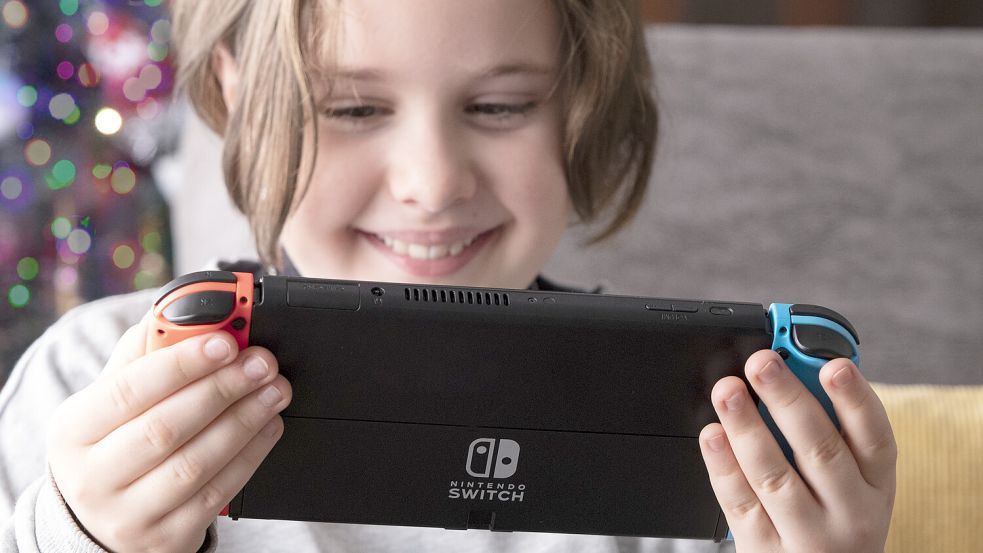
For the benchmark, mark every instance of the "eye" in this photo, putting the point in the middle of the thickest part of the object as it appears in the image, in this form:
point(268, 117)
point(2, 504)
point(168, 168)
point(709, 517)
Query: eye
point(354, 112)
point(501, 111)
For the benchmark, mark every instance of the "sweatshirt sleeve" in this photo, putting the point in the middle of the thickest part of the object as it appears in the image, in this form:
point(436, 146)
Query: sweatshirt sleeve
point(42, 522)
point(66, 358)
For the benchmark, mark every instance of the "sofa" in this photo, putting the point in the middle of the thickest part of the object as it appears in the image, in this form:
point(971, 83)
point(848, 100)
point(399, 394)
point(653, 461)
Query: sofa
point(842, 167)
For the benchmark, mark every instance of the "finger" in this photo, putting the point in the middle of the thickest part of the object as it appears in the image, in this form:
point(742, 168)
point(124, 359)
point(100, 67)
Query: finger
point(144, 442)
point(822, 457)
point(864, 422)
point(219, 491)
point(784, 495)
point(108, 403)
point(131, 346)
point(745, 514)
point(181, 475)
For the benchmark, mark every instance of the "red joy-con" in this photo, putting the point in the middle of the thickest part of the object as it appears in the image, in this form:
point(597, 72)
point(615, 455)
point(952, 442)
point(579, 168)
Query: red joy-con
point(163, 333)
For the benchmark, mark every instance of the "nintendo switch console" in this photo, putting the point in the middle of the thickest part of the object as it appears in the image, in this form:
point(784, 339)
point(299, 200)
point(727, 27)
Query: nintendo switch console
point(509, 410)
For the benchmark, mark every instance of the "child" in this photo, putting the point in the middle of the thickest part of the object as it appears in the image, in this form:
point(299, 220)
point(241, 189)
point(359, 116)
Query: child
point(429, 141)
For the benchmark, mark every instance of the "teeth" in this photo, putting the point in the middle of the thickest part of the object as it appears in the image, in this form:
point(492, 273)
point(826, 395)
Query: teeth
point(420, 251)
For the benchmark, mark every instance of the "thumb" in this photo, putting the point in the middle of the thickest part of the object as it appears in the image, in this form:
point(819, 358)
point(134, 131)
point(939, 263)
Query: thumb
point(130, 347)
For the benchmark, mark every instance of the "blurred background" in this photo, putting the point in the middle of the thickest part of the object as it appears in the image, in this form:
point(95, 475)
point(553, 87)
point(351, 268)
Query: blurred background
point(88, 124)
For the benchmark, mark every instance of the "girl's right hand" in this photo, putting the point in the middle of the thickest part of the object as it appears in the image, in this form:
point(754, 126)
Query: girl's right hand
point(148, 454)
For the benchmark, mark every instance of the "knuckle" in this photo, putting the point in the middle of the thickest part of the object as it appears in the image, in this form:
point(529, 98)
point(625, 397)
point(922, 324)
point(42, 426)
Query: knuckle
point(745, 508)
point(774, 480)
point(188, 468)
point(159, 434)
point(226, 392)
point(860, 401)
point(828, 450)
point(244, 421)
point(121, 531)
point(122, 395)
point(886, 445)
point(211, 498)
point(792, 398)
point(183, 365)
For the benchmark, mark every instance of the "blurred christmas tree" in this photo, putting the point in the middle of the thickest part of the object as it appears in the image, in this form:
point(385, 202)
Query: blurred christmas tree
point(84, 112)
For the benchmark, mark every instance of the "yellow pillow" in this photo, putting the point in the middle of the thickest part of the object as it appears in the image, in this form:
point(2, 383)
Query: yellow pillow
point(939, 504)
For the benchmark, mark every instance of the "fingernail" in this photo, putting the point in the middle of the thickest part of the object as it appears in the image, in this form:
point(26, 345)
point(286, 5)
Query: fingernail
point(843, 376)
point(217, 349)
point(734, 402)
point(270, 396)
point(768, 373)
point(256, 368)
point(717, 442)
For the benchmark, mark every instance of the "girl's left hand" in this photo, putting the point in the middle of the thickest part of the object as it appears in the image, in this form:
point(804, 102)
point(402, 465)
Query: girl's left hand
point(840, 499)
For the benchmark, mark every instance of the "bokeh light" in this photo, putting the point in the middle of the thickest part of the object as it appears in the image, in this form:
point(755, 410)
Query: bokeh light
point(108, 121)
point(88, 75)
point(61, 105)
point(160, 32)
point(65, 70)
point(19, 295)
point(64, 33)
point(152, 3)
point(144, 280)
point(27, 96)
point(79, 241)
point(11, 187)
point(153, 263)
point(37, 152)
point(69, 7)
point(63, 174)
point(25, 130)
point(123, 256)
point(101, 171)
point(15, 14)
point(134, 90)
point(73, 117)
point(150, 76)
point(151, 242)
point(60, 227)
point(123, 180)
point(156, 51)
point(28, 268)
point(98, 23)
point(66, 277)
point(148, 109)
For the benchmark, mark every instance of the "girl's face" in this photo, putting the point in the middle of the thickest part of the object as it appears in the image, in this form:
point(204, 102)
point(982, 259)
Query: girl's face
point(439, 157)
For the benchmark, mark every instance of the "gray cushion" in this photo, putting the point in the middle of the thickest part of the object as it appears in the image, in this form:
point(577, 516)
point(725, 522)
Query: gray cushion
point(838, 167)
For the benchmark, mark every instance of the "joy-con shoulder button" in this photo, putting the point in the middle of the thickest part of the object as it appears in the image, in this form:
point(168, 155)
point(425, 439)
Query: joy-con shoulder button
point(806, 310)
point(821, 342)
point(194, 278)
point(201, 308)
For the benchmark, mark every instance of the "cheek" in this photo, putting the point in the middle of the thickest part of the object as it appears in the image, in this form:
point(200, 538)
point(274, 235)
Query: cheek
point(341, 186)
point(534, 181)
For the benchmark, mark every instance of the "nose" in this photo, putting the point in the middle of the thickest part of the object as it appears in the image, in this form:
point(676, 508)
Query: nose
point(432, 169)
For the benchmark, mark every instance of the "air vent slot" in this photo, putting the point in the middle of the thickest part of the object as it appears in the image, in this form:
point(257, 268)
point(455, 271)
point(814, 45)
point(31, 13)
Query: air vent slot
point(468, 297)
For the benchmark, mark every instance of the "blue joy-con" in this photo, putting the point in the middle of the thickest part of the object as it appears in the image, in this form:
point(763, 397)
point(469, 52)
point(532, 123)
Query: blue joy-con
point(807, 337)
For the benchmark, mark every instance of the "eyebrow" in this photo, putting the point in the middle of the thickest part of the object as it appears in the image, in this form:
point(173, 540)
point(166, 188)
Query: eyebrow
point(505, 69)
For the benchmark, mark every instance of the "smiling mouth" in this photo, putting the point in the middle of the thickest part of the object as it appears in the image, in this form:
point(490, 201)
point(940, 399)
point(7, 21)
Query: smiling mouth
point(431, 260)
point(428, 251)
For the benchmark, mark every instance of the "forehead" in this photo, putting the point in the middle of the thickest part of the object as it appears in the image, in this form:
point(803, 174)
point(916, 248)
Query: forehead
point(387, 40)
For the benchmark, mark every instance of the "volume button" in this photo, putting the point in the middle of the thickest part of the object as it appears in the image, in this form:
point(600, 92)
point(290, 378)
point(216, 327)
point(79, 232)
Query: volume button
point(323, 295)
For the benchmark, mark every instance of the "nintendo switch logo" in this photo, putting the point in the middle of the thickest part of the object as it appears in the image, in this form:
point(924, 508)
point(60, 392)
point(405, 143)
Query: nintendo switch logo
point(485, 461)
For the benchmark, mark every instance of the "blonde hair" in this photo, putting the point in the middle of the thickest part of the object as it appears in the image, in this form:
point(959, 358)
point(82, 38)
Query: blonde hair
point(610, 117)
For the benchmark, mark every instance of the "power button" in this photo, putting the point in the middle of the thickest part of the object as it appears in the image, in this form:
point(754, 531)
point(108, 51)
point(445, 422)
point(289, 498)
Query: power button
point(723, 311)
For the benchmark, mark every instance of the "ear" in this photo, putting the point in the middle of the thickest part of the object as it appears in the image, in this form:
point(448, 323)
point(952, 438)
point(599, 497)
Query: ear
point(227, 72)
